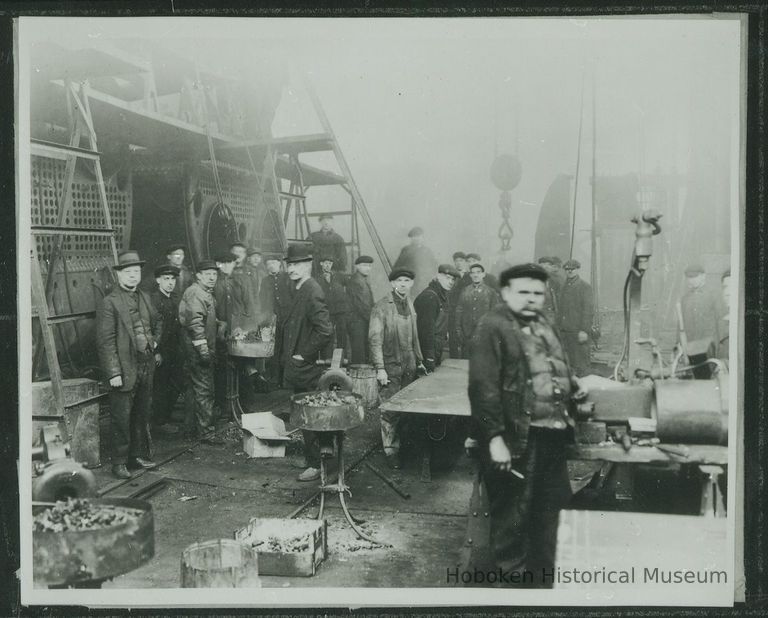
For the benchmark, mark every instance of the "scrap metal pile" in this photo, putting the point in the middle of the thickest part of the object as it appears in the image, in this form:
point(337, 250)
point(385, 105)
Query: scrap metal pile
point(78, 514)
point(327, 398)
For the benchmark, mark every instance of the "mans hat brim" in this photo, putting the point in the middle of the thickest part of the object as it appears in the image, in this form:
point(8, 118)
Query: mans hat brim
point(448, 269)
point(167, 269)
point(523, 271)
point(127, 264)
point(171, 248)
point(364, 259)
point(206, 265)
point(401, 272)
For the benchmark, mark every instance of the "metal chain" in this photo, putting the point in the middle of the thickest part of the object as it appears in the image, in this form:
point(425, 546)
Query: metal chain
point(505, 229)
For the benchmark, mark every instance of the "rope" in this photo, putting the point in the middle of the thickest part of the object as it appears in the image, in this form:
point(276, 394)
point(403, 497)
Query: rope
point(578, 165)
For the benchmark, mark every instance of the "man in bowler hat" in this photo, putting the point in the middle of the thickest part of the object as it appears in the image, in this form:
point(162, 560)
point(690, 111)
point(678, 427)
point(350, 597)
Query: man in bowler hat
point(127, 331)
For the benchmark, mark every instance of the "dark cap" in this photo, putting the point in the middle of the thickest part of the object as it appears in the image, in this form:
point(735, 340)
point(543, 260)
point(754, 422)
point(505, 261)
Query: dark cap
point(477, 265)
point(128, 258)
point(459, 255)
point(474, 256)
point(326, 257)
point(166, 269)
point(546, 260)
point(571, 264)
point(364, 259)
point(273, 256)
point(253, 251)
point(448, 269)
point(206, 265)
point(694, 269)
point(401, 272)
point(176, 247)
point(226, 258)
point(325, 217)
point(416, 231)
point(237, 243)
point(298, 253)
point(520, 271)
point(556, 261)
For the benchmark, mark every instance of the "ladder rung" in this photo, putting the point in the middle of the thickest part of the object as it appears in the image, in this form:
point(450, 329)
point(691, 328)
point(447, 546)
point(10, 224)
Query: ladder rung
point(45, 149)
point(331, 213)
point(85, 401)
point(70, 317)
point(53, 230)
point(292, 196)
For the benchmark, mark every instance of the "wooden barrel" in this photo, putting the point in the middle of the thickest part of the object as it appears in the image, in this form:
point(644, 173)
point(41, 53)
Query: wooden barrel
point(223, 563)
point(365, 384)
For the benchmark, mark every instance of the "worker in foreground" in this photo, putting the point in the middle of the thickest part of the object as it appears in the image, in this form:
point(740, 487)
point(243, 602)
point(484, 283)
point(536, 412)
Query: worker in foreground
point(395, 353)
point(520, 389)
point(306, 333)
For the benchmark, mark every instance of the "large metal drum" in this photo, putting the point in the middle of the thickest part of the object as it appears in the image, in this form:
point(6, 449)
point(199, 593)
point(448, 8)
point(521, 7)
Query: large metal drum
point(692, 411)
point(331, 417)
point(79, 556)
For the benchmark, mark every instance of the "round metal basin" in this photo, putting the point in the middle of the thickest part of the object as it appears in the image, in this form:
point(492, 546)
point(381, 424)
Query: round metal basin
point(66, 558)
point(329, 418)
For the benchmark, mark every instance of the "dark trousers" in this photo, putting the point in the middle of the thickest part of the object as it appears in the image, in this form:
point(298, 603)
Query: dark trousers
point(168, 385)
point(524, 512)
point(578, 353)
point(199, 396)
point(129, 415)
point(340, 327)
point(358, 340)
point(300, 377)
point(454, 345)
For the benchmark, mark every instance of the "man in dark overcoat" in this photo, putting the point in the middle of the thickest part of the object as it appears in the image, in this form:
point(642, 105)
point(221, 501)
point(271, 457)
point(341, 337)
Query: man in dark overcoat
point(127, 330)
point(326, 242)
point(275, 299)
point(575, 316)
point(419, 259)
point(169, 375)
point(336, 298)
point(360, 302)
point(475, 301)
point(306, 333)
point(432, 308)
point(520, 387)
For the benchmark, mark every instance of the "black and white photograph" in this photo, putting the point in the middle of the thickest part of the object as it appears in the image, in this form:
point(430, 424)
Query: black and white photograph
point(381, 312)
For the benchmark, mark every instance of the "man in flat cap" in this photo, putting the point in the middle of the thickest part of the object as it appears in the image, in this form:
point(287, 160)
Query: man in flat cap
point(574, 319)
point(489, 279)
point(701, 309)
point(326, 242)
point(127, 331)
point(475, 301)
point(461, 265)
point(432, 315)
point(230, 297)
point(520, 387)
point(275, 299)
point(175, 255)
point(395, 351)
point(333, 283)
point(419, 259)
point(197, 316)
point(254, 268)
point(360, 304)
point(306, 334)
point(169, 374)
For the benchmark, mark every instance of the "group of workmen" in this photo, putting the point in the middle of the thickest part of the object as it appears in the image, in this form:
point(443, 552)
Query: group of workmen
point(526, 334)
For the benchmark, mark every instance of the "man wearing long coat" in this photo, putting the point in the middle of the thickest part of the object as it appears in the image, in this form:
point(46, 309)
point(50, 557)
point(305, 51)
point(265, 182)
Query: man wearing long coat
point(576, 312)
point(127, 330)
point(432, 310)
point(419, 259)
point(360, 304)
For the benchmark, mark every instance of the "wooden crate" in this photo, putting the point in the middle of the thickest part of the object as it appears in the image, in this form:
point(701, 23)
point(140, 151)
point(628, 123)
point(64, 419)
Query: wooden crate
point(287, 564)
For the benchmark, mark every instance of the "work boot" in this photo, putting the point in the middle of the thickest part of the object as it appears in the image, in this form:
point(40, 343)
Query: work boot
point(139, 462)
point(310, 474)
point(121, 471)
point(393, 460)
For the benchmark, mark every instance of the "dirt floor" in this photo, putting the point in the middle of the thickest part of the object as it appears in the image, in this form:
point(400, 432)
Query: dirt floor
point(211, 491)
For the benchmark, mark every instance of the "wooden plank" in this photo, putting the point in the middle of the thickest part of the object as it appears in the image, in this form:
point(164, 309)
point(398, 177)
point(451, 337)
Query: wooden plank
point(697, 453)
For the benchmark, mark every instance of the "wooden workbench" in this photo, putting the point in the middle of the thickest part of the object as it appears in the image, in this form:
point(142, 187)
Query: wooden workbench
point(444, 392)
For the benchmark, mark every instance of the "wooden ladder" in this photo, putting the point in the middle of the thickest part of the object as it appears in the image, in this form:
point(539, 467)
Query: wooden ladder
point(81, 124)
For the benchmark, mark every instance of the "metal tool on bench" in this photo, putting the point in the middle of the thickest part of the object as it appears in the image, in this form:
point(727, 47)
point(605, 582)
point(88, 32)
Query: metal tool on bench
point(336, 420)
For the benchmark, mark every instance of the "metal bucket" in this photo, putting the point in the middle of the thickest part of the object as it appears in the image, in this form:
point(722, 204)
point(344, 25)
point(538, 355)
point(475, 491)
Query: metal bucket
point(692, 411)
point(78, 556)
point(223, 563)
point(364, 384)
point(329, 418)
